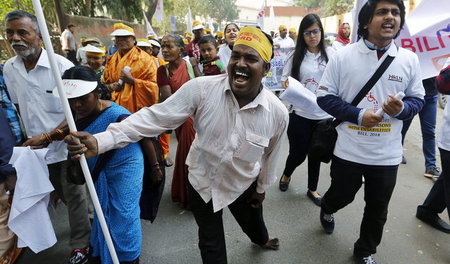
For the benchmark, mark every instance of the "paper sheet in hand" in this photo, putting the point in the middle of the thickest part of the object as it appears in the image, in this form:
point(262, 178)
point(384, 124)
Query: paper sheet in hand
point(29, 218)
point(299, 96)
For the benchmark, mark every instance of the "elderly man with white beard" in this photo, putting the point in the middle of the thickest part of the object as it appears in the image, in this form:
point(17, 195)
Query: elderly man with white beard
point(30, 84)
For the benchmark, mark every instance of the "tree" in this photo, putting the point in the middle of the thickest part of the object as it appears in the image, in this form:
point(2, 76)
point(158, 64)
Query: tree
point(223, 10)
point(338, 7)
point(308, 3)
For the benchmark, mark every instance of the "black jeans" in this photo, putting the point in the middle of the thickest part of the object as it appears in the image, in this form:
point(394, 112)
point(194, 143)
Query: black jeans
point(439, 197)
point(299, 134)
point(346, 180)
point(210, 225)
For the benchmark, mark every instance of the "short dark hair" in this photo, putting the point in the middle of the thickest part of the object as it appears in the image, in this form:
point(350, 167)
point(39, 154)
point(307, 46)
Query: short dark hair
point(208, 39)
point(368, 10)
point(70, 25)
point(83, 73)
point(16, 14)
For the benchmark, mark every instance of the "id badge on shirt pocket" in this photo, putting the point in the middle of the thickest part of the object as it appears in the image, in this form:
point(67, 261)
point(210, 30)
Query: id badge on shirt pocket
point(252, 148)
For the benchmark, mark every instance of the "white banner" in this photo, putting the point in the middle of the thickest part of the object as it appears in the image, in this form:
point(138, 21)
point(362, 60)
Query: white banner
point(159, 12)
point(273, 77)
point(431, 41)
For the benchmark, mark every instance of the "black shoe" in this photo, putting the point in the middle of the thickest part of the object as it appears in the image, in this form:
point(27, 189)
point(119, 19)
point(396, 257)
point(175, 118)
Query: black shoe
point(365, 260)
point(327, 221)
point(316, 200)
point(284, 185)
point(432, 219)
point(432, 173)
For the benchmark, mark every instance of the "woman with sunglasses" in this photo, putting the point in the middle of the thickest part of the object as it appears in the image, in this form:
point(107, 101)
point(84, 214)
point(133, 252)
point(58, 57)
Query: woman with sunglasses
point(305, 64)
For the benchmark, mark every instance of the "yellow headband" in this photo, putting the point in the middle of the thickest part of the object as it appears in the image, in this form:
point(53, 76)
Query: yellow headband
point(255, 39)
point(282, 27)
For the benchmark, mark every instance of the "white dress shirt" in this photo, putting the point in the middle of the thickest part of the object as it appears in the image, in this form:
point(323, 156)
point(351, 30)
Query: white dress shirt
point(286, 42)
point(233, 146)
point(225, 54)
point(67, 37)
point(40, 110)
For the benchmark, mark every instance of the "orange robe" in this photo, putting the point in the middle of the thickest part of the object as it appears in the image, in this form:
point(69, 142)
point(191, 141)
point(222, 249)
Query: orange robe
point(145, 90)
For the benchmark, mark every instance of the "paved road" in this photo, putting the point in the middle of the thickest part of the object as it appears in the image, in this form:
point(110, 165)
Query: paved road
point(292, 217)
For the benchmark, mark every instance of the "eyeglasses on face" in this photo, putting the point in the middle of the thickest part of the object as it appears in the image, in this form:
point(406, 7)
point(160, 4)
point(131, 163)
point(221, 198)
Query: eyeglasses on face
point(312, 32)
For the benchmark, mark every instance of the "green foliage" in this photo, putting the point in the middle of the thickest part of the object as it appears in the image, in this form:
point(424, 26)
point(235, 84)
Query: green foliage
point(219, 10)
point(337, 7)
point(308, 3)
point(26, 5)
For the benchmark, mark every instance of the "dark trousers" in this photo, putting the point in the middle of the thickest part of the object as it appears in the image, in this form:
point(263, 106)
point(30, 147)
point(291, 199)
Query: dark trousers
point(72, 56)
point(210, 225)
point(346, 180)
point(439, 197)
point(427, 124)
point(299, 134)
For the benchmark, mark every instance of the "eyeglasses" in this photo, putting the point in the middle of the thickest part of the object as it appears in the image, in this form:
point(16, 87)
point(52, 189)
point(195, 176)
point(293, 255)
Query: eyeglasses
point(312, 32)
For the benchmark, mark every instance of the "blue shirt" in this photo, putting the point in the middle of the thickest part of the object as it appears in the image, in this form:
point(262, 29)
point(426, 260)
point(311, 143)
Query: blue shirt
point(10, 111)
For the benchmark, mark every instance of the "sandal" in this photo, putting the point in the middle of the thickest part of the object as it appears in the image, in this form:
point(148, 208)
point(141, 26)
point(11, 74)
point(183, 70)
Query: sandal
point(284, 183)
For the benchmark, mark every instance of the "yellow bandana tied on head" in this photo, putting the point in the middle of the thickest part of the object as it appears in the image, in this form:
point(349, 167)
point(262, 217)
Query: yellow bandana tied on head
point(293, 30)
point(219, 34)
point(282, 27)
point(255, 39)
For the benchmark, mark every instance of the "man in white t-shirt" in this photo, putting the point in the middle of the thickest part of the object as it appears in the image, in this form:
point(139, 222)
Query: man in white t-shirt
point(283, 41)
point(30, 83)
point(68, 43)
point(369, 144)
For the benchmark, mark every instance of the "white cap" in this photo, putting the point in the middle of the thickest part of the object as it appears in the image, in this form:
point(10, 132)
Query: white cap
point(155, 43)
point(76, 88)
point(122, 32)
point(199, 26)
point(91, 48)
point(143, 44)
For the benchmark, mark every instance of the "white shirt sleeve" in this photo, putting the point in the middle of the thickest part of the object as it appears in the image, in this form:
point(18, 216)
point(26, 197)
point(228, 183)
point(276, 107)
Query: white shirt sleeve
point(329, 84)
point(287, 69)
point(152, 121)
point(269, 160)
point(11, 89)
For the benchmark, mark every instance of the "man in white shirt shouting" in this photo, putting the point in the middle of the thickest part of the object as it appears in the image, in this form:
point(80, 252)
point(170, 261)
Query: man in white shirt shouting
point(232, 160)
point(368, 143)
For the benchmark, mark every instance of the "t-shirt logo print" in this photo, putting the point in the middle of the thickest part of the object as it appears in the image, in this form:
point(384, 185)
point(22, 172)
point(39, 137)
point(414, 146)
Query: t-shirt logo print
point(395, 78)
point(371, 99)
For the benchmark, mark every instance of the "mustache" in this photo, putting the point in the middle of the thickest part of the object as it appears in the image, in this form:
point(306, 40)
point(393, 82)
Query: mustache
point(19, 43)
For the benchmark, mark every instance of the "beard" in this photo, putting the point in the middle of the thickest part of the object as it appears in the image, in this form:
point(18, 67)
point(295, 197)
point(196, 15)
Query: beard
point(23, 53)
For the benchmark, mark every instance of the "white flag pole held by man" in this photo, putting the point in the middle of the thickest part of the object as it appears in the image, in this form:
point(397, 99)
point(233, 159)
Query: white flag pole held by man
point(68, 114)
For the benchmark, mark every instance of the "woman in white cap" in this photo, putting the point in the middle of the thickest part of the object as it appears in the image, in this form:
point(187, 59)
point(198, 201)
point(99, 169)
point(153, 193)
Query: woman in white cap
point(130, 73)
point(117, 174)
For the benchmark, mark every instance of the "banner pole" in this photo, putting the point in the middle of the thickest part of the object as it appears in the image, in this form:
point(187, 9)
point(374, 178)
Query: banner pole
point(70, 121)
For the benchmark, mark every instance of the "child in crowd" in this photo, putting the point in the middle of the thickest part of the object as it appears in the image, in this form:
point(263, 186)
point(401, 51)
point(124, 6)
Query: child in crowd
point(211, 64)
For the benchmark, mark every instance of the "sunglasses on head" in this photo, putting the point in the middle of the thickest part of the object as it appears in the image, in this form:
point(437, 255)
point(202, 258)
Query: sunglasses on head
point(312, 32)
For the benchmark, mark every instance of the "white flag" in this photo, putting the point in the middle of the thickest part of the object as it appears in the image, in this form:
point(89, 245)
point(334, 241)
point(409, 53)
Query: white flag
point(148, 26)
point(189, 20)
point(271, 20)
point(358, 5)
point(159, 12)
point(260, 18)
